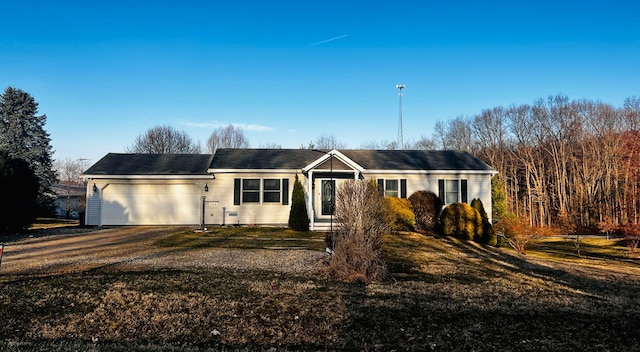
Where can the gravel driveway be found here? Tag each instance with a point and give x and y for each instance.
(131, 247)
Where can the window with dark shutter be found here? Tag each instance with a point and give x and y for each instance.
(236, 191)
(285, 191)
(441, 191)
(381, 187)
(391, 188)
(463, 191)
(251, 190)
(271, 190)
(403, 188)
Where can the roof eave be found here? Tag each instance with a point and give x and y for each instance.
(425, 172)
(139, 177)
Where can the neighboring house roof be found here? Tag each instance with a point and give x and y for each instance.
(151, 164)
(230, 159)
(62, 190)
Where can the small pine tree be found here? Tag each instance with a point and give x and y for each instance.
(298, 217)
(488, 234)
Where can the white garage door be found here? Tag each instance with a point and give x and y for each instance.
(168, 204)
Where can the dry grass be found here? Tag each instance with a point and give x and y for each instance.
(442, 295)
(245, 238)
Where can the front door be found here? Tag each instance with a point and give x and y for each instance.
(328, 194)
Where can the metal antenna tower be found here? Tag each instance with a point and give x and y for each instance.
(400, 87)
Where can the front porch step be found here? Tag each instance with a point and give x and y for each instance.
(323, 226)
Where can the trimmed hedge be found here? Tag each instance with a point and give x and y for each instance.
(426, 208)
(462, 221)
(401, 217)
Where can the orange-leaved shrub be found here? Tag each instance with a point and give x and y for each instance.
(519, 233)
(462, 221)
(631, 233)
(362, 221)
(401, 217)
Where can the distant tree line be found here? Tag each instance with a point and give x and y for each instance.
(566, 163)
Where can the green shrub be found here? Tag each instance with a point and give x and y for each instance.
(498, 199)
(426, 208)
(298, 217)
(401, 217)
(462, 221)
(488, 234)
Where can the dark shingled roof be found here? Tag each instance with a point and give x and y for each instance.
(151, 164)
(368, 159)
(287, 159)
(416, 160)
(253, 159)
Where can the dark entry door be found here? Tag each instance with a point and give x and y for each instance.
(328, 196)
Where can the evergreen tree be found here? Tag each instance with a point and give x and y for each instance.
(488, 234)
(22, 136)
(298, 217)
(498, 199)
(19, 190)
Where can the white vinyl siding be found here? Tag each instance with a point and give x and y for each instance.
(263, 212)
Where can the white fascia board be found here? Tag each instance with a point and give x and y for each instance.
(427, 172)
(143, 177)
(244, 171)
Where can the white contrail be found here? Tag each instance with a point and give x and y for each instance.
(216, 124)
(329, 40)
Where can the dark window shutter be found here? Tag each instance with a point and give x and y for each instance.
(403, 188)
(381, 187)
(441, 191)
(285, 191)
(236, 191)
(463, 191)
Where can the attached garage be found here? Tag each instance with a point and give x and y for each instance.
(151, 204)
(148, 189)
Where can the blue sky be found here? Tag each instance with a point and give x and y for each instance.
(287, 71)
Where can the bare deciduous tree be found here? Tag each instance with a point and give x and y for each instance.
(563, 162)
(227, 137)
(69, 176)
(326, 141)
(164, 140)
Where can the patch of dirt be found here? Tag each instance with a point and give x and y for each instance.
(60, 251)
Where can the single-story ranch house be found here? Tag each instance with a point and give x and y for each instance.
(254, 186)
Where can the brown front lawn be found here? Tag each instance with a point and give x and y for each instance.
(442, 295)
